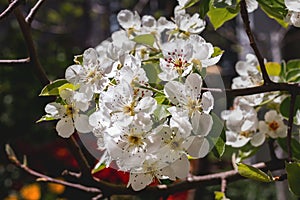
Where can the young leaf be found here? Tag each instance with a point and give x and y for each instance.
(285, 106)
(146, 39)
(295, 146)
(218, 16)
(45, 118)
(217, 136)
(98, 167)
(203, 8)
(275, 10)
(52, 88)
(293, 64)
(190, 3)
(152, 70)
(253, 173)
(293, 176)
(161, 112)
(273, 68)
(220, 196)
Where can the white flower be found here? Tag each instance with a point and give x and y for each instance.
(177, 59)
(134, 75)
(293, 18)
(92, 74)
(69, 114)
(202, 52)
(293, 5)
(125, 106)
(99, 121)
(241, 124)
(273, 127)
(188, 96)
(188, 24)
(130, 145)
(129, 20)
(252, 5)
(249, 77)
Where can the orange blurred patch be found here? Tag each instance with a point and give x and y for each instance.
(56, 188)
(31, 192)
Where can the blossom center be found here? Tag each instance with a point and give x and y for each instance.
(273, 126)
(193, 105)
(176, 59)
(129, 109)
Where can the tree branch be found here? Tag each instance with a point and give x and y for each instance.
(245, 17)
(12, 5)
(33, 11)
(26, 31)
(290, 125)
(15, 61)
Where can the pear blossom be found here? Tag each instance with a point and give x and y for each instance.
(188, 24)
(293, 16)
(272, 126)
(69, 115)
(252, 5)
(125, 106)
(129, 20)
(197, 106)
(92, 74)
(249, 76)
(241, 124)
(130, 145)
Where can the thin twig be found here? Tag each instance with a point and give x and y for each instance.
(272, 87)
(33, 11)
(290, 125)
(12, 5)
(43, 177)
(26, 31)
(245, 17)
(223, 185)
(15, 61)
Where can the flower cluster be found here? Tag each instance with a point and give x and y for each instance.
(242, 122)
(140, 94)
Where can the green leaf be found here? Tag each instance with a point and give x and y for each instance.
(253, 173)
(293, 75)
(295, 146)
(161, 112)
(217, 52)
(203, 8)
(293, 176)
(293, 64)
(220, 195)
(275, 10)
(273, 68)
(285, 106)
(46, 118)
(190, 3)
(218, 16)
(246, 153)
(146, 39)
(217, 136)
(152, 70)
(160, 98)
(98, 167)
(52, 88)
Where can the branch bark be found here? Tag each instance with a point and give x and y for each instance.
(15, 61)
(12, 5)
(26, 31)
(245, 17)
